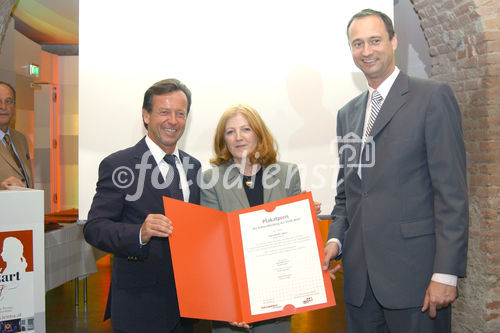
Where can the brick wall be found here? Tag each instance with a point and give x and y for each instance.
(464, 42)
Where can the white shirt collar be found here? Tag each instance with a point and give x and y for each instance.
(385, 86)
(157, 152)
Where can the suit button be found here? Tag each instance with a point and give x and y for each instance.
(365, 194)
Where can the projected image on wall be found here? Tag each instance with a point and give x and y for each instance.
(288, 59)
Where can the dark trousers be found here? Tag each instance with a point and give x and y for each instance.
(372, 317)
(184, 326)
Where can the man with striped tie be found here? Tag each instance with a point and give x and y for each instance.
(15, 164)
(400, 218)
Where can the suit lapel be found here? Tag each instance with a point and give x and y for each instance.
(269, 191)
(23, 155)
(236, 186)
(140, 148)
(5, 154)
(392, 104)
(357, 120)
(141, 151)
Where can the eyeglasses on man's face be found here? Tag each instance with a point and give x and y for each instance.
(8, 101)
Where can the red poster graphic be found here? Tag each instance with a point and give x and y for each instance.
(16, 281)
(17, 250)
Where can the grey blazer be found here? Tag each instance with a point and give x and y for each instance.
(408, 216)
(280, 180)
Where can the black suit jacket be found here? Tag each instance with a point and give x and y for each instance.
(407, 218)
(142, 295)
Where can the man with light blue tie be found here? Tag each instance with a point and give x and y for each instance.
(15, 164)
(400, 220)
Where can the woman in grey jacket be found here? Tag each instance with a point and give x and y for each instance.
(246, 173)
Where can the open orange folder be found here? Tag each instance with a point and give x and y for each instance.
(209, 262)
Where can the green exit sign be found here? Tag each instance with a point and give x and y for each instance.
(34, 70)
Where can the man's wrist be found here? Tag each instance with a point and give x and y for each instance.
(141, 244)
(335, 240)
(448, 279)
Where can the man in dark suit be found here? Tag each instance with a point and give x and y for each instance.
(400, 219)
(15, 164)
(127, 215)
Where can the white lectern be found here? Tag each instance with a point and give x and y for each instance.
(22, 260)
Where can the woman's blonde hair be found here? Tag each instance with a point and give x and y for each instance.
(266, 151)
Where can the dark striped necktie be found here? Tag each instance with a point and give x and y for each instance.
(173, 178)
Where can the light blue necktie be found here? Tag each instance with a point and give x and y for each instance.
(376, 104)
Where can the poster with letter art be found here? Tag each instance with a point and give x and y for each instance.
(16, 281)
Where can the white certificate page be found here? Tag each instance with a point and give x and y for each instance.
(281, 258)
